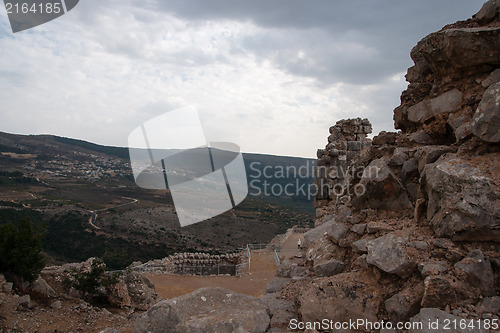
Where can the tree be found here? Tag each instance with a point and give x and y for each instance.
(21, 249)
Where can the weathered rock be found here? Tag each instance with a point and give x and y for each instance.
(329, 268)
(433, 268)
(41, 287)
(490, 304)
(461, 125)
(24, 302)
(448, 102)
(389, 254)
(382, 189)
(359, 228)
(133, 290)
(206, 310)
(337, 232)
(404, 304)
(409, 169)
(276, 284)
(343, 297)
(333, 230)
(56, 305)
(312, 235)
(385, 138)
(361, 245)
(479, 272)
(377, 226)
(441, 322)
(430, 154)
(463, 202)
(399, 157)
(438, 292)
(488, 12)
(280, 310)
(141, 290)
(493, 78)
(486, 121)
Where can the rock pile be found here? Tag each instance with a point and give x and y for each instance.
(192, 263)
(408, 224)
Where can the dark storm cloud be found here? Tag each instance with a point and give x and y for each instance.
(360, 42)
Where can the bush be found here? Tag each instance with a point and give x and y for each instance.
(88, 282)
(21, 250)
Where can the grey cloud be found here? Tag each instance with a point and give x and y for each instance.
(388, 27)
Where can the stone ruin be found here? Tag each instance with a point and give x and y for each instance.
(189, 263)
(335, 162)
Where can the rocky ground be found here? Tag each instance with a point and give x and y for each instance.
(407, 228)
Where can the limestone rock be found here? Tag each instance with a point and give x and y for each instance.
(24, 302)
(382, 189)
(41, 287)
(57, 305)
(430, 154)
(385, 138)
(280, 310)
(404, 304)
(494, 77)
(479, 272)
(438, 292)
(490, 304)
(389, 254)
(359, 228)
(206, 310)
(448, 102)
(486, 121)
(329, 268)
(332, 229)
(133, 290)
(433, 268)
(343, 297)
(463, 202)
(488, 12)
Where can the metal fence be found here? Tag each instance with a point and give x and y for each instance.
(206, 270)
(257, 246)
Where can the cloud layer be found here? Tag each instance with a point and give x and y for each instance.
(271, 76)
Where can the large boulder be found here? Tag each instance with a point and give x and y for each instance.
(438, 292)
(280, 310)
(406, 303)
(463, 202)
(333, 230)
(329, 268)
(343, 297)
(133, 290)
(41, 287)
(206, 310)
(379, 188)
(389, 254)
(479, 272)
(448, 102)
(486, 121)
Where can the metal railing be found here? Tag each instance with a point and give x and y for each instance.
(276, 258)
(206, 270)
(257, 246)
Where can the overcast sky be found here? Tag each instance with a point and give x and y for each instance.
(269, 75)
